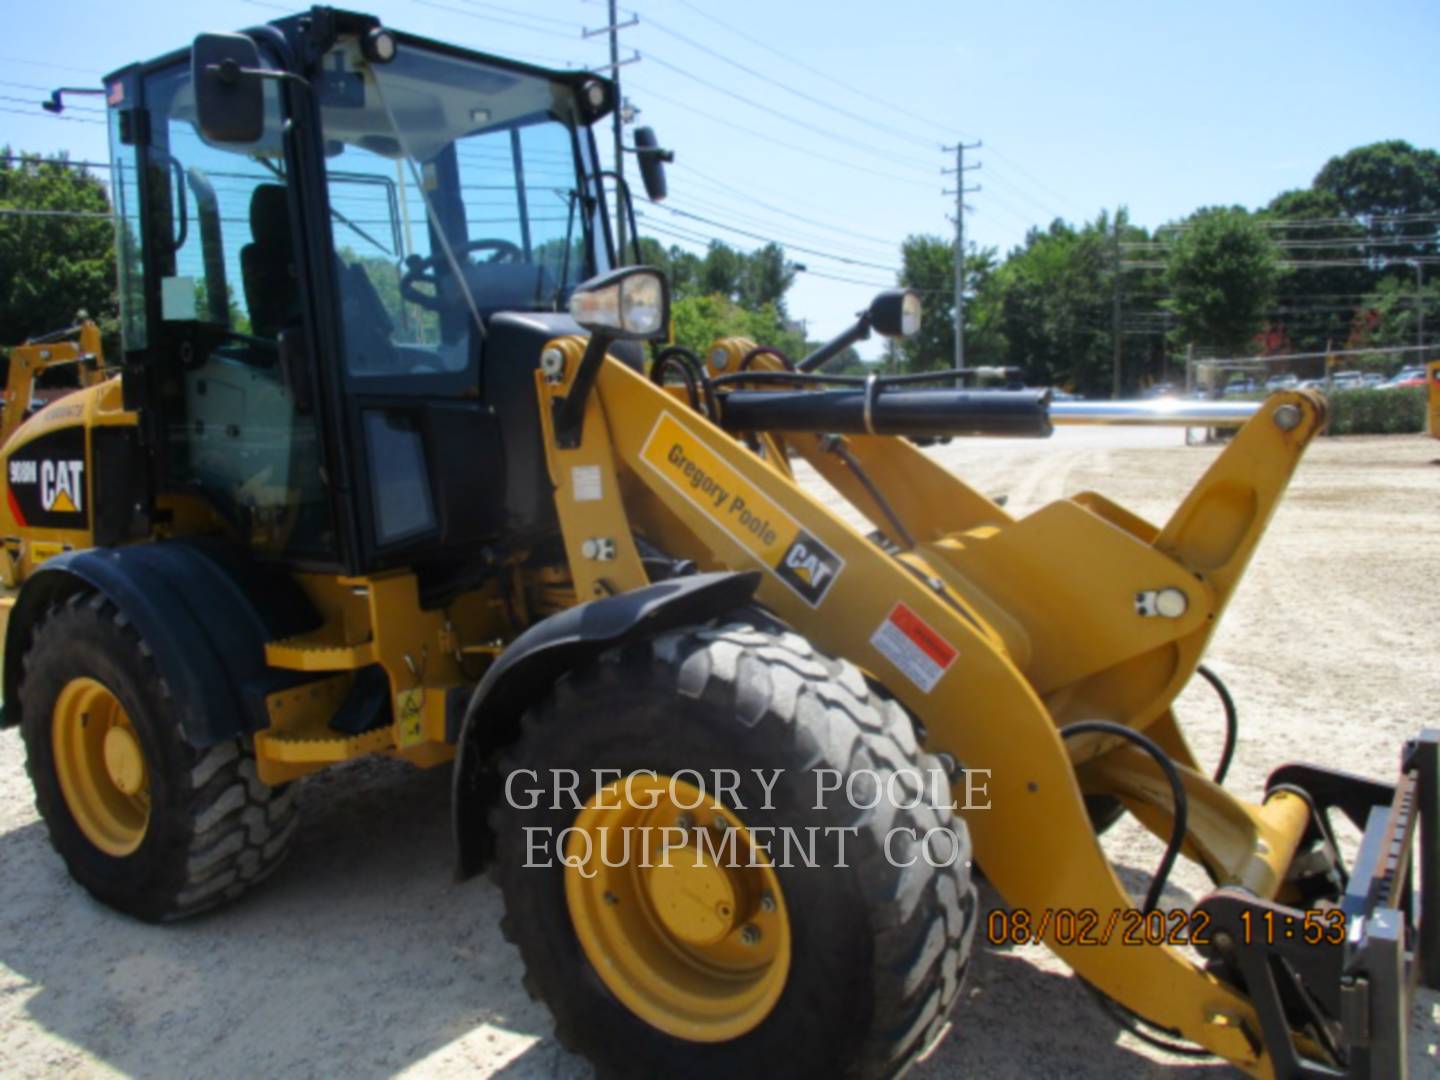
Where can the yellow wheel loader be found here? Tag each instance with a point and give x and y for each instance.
(388, 469)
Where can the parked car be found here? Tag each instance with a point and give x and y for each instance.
(1404, 379)
(1372, 379)
(1312, 384)
(1161, 390)
(1347, 380)
(1241, 386)
(1282, 382)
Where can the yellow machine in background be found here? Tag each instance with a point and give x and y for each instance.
(367, 486)
(1432, 382)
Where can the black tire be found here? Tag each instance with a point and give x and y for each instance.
(214, 829)
(878, 952)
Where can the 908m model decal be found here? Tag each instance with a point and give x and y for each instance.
(689, 465)
(45, 481)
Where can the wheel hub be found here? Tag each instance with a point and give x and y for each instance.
(100, 766)
(694, 898)
(677, 908)
(123, 760)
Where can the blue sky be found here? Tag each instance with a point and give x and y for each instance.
(1158, 106)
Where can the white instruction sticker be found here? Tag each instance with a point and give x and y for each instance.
(913, 646)
(177, 298)
(585, 483)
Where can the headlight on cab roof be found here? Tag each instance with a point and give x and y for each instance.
(632, 302)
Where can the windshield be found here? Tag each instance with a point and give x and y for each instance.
(457, 189)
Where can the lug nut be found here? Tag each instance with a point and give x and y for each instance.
(767, 901)
(611, 899)
(750, 935)
(685, 821)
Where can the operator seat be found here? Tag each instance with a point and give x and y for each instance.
(267, 264)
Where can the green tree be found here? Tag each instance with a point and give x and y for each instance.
(52, 266)
(1051, 305)
(1316, 300)
(1390, 314)
(699, 320)
(927, 264)
(1386, 179)
(766, 278)
(1221, 269)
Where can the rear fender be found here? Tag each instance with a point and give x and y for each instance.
(204, 611)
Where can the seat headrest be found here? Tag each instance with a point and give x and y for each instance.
(270, 214)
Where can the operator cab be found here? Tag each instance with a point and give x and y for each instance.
(342, 249)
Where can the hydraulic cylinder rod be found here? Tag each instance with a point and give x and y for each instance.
(1161, 412)
(863, 411)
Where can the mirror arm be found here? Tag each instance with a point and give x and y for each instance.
(622, 195)
(231, 73)
(569, 416)
(835, 346)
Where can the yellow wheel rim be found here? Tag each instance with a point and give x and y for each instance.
(101, 766)
(677, 909)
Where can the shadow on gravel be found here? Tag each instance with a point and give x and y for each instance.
(362, 957)
(361, 954)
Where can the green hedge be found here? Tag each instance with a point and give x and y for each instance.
(1377, 412)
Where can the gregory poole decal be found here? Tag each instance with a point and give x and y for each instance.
(45, 481)
(776, 539)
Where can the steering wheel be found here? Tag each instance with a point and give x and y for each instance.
(421, 270)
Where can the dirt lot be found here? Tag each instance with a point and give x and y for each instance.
(362, 956)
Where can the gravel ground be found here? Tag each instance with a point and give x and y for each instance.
(362, 956)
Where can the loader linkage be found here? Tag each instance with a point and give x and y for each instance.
(1352, 992)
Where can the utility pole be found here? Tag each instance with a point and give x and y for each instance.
(960, 192)
(1419, 307)
(1115, 361)
(613, 29)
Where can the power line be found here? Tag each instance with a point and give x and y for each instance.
(572, 23)
(885, 129)
(817, 72)
(842, 162)
(52, 116)
(812, 128)
(783, 234)
(766, 239)
(48, 64)
(706, 180)
(871, 99)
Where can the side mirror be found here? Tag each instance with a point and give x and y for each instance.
(229, 97)
(652, 163)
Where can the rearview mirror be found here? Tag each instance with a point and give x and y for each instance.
(652, 163)
(229, 98)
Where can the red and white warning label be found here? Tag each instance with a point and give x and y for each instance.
(913, 646)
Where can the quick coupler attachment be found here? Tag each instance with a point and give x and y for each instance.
(1333, 978)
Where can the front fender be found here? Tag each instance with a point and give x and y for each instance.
(545, 652)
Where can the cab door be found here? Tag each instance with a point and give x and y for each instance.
(211, 279)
